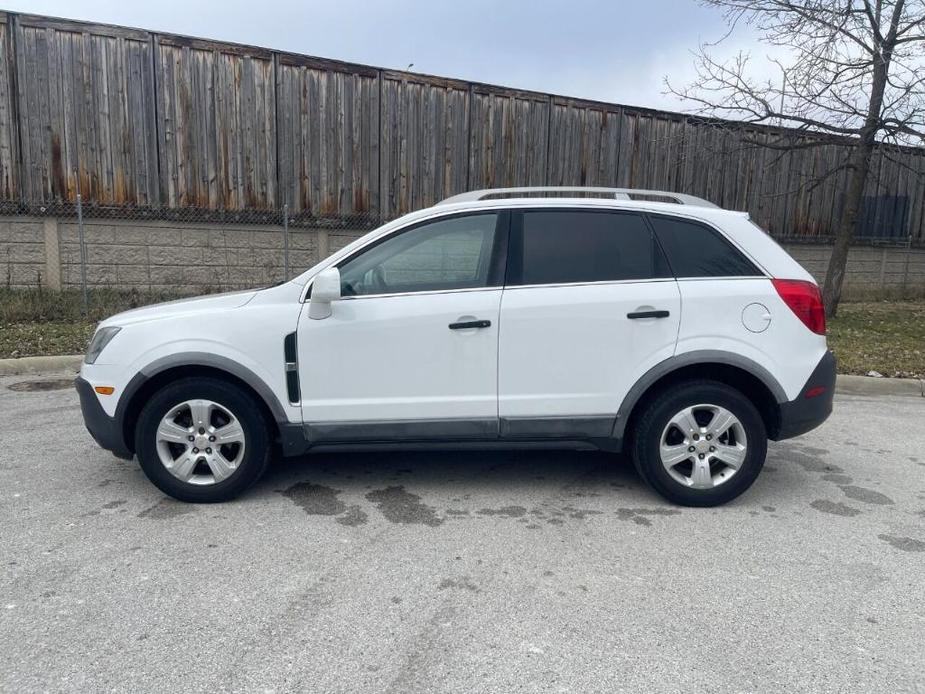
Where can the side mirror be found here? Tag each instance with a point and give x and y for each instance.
(325, 289)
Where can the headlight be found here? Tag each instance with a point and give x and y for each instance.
(100, 339)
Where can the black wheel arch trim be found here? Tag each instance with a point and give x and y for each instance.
(679, 361)
(214, 361)
(290, 435)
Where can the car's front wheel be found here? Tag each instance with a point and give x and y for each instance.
(699, 443)
(202, 440)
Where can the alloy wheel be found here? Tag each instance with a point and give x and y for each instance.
(703, 446)
(200, 442)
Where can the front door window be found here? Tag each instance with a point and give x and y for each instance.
(448, 254)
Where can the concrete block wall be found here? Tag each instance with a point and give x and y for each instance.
(156, 254)
(22, 252)
(873, 272)
(166, 255)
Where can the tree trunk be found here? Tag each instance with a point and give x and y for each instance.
(847, 227)
(859, 165)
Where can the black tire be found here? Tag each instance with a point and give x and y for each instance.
(655, 417)
(256, 454)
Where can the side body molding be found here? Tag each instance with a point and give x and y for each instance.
(705, 356)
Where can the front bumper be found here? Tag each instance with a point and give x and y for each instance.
(814, 403)
(105, 430)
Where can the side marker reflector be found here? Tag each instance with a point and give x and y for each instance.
(813, 392)
(104, 390)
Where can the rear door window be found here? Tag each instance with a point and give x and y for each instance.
(580, 246)
(696, 250)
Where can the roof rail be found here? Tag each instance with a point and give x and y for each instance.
(579, 191)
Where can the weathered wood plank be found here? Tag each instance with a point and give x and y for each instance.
(10, 158)
(509, 135)
(330, 123)
(218, 124)
(423, 134)
(85, 103)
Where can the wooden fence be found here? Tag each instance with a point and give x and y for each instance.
(137, 120)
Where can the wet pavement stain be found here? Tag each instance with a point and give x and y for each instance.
(461, 583)
(456, 512)
(906, 544)
(811, 464)
(812, 450)
(837, 478)
(400, 506)
(835, 507)
(40, 386)
(868, 496)
(315, 499)
(353, 517)
(167, 508)
(638, 515)
(769, 509)
(580, 513)
(504, 512)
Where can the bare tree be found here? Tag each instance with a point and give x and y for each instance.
(850, 68)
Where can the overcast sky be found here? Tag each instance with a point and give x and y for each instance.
(612, 50)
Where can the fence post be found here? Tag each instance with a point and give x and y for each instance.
(286, 241)
(52, 253)
(83, 255)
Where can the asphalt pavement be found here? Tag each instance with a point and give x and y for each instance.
(463, 572)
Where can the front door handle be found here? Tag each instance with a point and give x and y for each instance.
(648, 314)
(466, 325)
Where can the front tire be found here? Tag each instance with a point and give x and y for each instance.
(202, 440)
(699, 443)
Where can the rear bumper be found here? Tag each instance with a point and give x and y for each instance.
(105, 430)
(814, 403)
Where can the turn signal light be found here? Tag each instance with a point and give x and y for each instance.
(104, 390)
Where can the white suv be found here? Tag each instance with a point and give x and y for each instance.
(643, 321)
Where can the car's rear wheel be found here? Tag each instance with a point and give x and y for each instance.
(699, 443)
(202, 440)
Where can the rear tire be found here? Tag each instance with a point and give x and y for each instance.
(699, 443)
(202, 440)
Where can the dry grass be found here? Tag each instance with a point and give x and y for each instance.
(884, 336)
(37, 323)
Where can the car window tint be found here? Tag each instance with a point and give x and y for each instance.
(448, 254)
(564, 246)
(696, 250)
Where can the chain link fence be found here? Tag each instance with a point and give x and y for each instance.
(76, 245)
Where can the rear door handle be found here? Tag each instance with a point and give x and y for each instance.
(648, 314)
(465, 325)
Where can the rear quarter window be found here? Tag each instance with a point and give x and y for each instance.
(696, 250)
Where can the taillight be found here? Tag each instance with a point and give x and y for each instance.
(805, 300)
